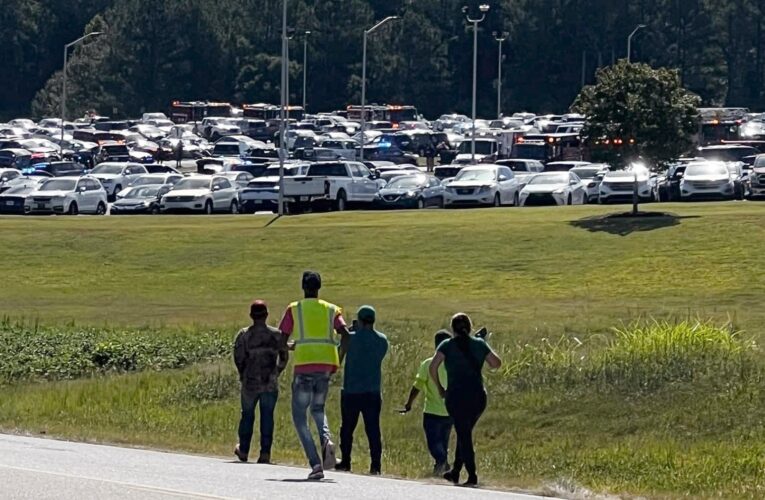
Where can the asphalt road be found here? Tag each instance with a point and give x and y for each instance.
(40, 469)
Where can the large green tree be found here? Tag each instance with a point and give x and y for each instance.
(634, 102)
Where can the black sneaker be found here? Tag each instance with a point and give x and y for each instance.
(264, 458)
(343, 466)
(452, 476)
(375, 471)
(472, 482)
(241, 456)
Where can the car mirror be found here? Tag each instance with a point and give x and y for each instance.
(216, 188)
(502, 178)
(82, 189)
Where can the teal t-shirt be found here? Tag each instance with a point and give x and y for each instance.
(462, 372)
(363, 362)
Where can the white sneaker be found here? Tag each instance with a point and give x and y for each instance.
(328, 451)
(317, 474)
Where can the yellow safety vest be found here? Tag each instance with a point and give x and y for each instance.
(315, 328)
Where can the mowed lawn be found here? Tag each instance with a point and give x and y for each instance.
(524, 272)
(528, 274)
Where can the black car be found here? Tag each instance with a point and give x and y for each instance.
(140, 200)
(669, 183)
(411, 191)
(442, 172)
(158, 168)
(12, 200)
(61, 168)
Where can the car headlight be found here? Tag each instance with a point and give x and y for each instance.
(559, 191)
(411, 194)
(484, 189)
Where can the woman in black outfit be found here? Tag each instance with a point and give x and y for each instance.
(464, 357)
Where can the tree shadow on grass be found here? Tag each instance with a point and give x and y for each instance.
(624, 224)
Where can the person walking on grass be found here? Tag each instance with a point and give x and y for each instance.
(260, 355)
(464, 357)
(436, 421)
(314, 323)
(361, 394)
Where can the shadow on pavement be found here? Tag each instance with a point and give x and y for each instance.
(624, 224)
(328, 481)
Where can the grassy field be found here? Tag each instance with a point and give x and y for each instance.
(558, 416)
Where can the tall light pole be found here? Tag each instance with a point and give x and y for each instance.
(305, 67)
(282, 114)
(629, 41)
(500, 38)
(364, 78)
(63, 90)
(484, 8)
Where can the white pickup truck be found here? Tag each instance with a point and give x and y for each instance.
(334, 183)
(262, 193)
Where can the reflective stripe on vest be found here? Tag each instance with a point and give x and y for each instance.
(315, 343)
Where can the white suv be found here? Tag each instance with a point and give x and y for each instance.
(67, 195)
(707, 180)
(202, 193)
(115, 176)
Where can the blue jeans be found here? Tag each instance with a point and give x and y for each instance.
(438, 429)
(309, 391)
(267, 402)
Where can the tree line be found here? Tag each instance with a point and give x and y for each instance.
(155, 52)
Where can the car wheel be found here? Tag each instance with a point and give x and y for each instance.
(234, 207)
(340, 204)
(101, 208)
(208, 207)
(73, 209)
(570, 200)
(516, 199)
(497, 200)
(420, 203)
(155, 210)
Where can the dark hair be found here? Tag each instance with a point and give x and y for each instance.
(461, 325)
(442, 335)
(311, 281)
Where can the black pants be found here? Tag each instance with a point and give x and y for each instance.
(368, 405)
(465, 408)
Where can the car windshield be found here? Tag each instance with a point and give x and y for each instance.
(481, 147)
(476, 175)
(59, 185)
(550, 179)
(143, 192)
(727, 154)
(706, 169)
(586, 173)
(107, 169)
(145, 181)
(192, 184)
(406, 182)
(116, 149)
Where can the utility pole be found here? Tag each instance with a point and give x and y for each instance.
(283, 114)
(63, 89)
(500, 38)
(483, 8)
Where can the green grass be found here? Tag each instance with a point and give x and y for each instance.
(664, 407)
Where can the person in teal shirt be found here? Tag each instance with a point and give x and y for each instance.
(436, 421)
(362, 395)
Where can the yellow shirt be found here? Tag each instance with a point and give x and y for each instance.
(434, 404)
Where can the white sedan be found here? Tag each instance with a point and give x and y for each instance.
(554, 188)
(483, 185)
(117, 175)
(202, 193)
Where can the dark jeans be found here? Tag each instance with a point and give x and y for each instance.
(368, 405)
(465, 408)
(437, 432)
(267, 402)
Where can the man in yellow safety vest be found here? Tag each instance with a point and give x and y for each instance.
(312, 324)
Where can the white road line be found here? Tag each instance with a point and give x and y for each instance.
(140, 487)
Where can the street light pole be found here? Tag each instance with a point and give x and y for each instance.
(500, 38)
(629, 41)
(364, 78)
(63, 90)
(282, 114)
(305, 67)
(484, 9)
